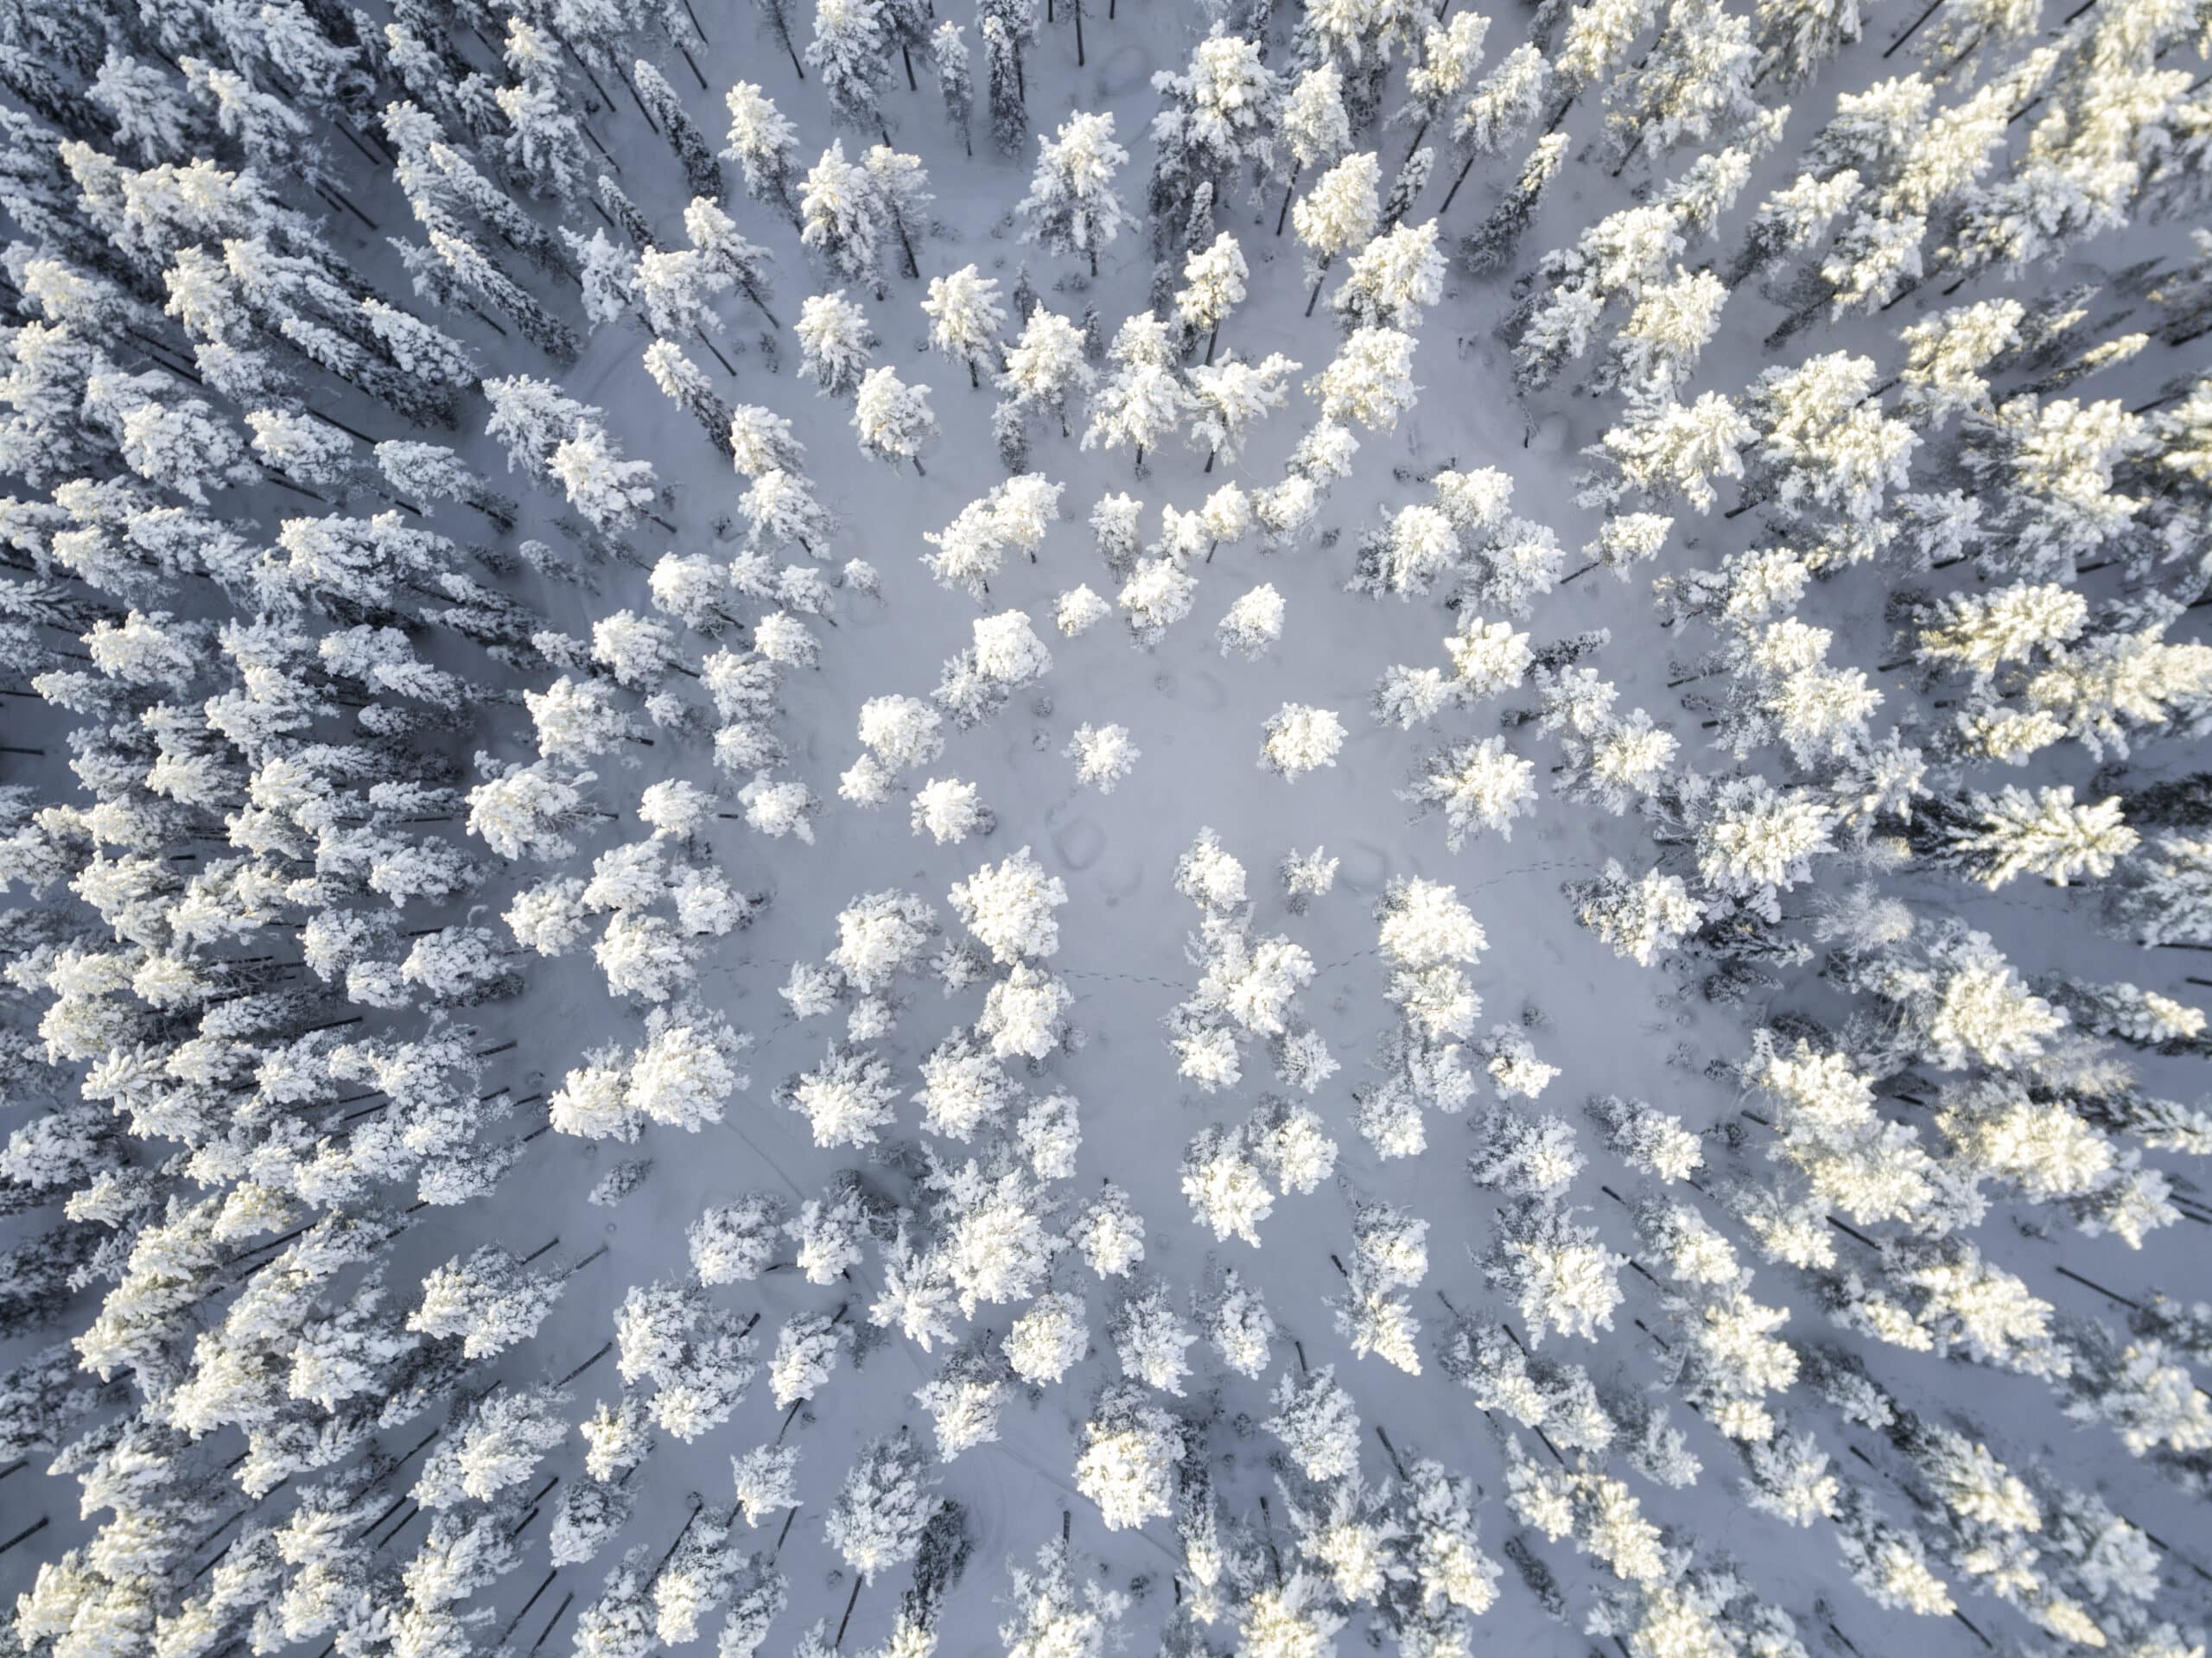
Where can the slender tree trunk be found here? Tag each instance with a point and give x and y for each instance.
(605, 99)
(751, 294)
(1796, 321)
(1289, 189)
(1464, 168)
(345, 130)
(347, 202)
(1212, 338)
(2090, 1283)
(729, 367)
(567, 1600)
(850, 1602)
(203, 1542)
(1852, 1232)
(386, 1541)
(31, 1530)
(630, 86)
(282, 482)
(1973, 1630)
(537, 1502)
(1913, 29)
(1078, 33)
(696, 1509)
(505, 1633)
(601, 148)
(586, 1365)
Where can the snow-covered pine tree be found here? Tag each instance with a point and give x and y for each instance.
(1072, 206)
(1217, 116)
(842, 215)
(764, 143)
(965, 317)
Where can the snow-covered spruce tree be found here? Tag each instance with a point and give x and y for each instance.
(1003, 32)
(849, 57)
(1363, 41)
(701, 170)
(955, 80)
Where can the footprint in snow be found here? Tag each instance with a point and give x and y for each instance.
(1123, 878)
(1365, 866)
(1079, 843)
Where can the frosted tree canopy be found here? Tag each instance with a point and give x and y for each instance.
(1229, 831)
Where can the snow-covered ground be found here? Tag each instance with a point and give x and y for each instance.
(1128, 943)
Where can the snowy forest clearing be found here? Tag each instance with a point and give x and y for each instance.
(636, 631)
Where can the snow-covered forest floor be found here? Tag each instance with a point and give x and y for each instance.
(1773, 1232)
